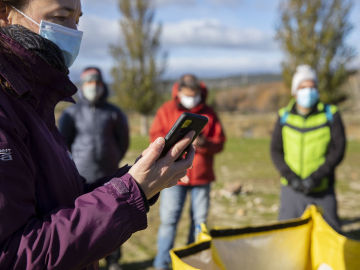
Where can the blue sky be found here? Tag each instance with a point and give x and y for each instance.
(210, 38)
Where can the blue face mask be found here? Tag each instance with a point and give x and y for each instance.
(307, 97)
(67, 39)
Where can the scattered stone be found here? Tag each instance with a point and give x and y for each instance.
(248, 189)
(225, 193)
(241, 212)
(274, 208)
(258, 201)
(235, 188)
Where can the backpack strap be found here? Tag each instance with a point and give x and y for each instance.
(284, 117)
(329, 114)
(285, 112)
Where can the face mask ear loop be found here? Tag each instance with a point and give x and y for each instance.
(26, 16)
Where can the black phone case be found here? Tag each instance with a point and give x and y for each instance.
(184, 124)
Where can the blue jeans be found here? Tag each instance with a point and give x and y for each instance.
(171, 204)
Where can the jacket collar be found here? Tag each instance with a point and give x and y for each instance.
(27, 73)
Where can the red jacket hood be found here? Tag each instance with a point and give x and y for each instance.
(203, 89)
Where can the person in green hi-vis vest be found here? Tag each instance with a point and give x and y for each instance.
(308, 142)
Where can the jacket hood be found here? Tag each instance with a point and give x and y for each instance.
(204, 94)
(27, 72)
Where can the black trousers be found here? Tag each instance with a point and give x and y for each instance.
(293, 204)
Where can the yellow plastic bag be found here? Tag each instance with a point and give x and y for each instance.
(330, 250)
(304, 243)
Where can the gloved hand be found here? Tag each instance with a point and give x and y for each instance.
(308, 184)
(296, 184)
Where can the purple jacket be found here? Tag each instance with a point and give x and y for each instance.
(47, 221)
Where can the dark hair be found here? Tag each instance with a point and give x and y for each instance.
(101, 79)
(189, 81)
(15, 3)
(94, 68)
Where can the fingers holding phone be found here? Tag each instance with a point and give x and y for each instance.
(154, 174)
(178, 149)
(161, 164)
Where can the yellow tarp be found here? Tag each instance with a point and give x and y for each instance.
(307, 243)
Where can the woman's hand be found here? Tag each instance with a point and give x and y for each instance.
(153, 174)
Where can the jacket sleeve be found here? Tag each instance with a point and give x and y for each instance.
(122, 132)
(214, 137)
(336, 150)
(67, 128)
(277, 153)
(88, 187)
(71, 237)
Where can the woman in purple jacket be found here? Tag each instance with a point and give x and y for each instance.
(49, 219)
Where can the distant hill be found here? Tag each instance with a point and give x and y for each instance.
(258, 97)
(241, 80)
(267, 93)
(258, 93)
(231, 81)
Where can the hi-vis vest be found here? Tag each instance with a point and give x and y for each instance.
(306, 140)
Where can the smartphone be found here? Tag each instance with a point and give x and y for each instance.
(183, 125)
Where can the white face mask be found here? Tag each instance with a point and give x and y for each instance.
(67, 39)
(92, 92)
(190, 102)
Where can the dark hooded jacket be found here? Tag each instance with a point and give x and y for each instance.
(97, 135)
(202, 171)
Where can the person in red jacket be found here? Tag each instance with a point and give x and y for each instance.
(189, 95)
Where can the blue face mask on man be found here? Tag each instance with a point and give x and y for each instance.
(67, 39)
(307, 97)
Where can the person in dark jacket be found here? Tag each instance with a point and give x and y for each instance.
(189, 95)
(308, 142)
(49, 217)
(96, 133)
